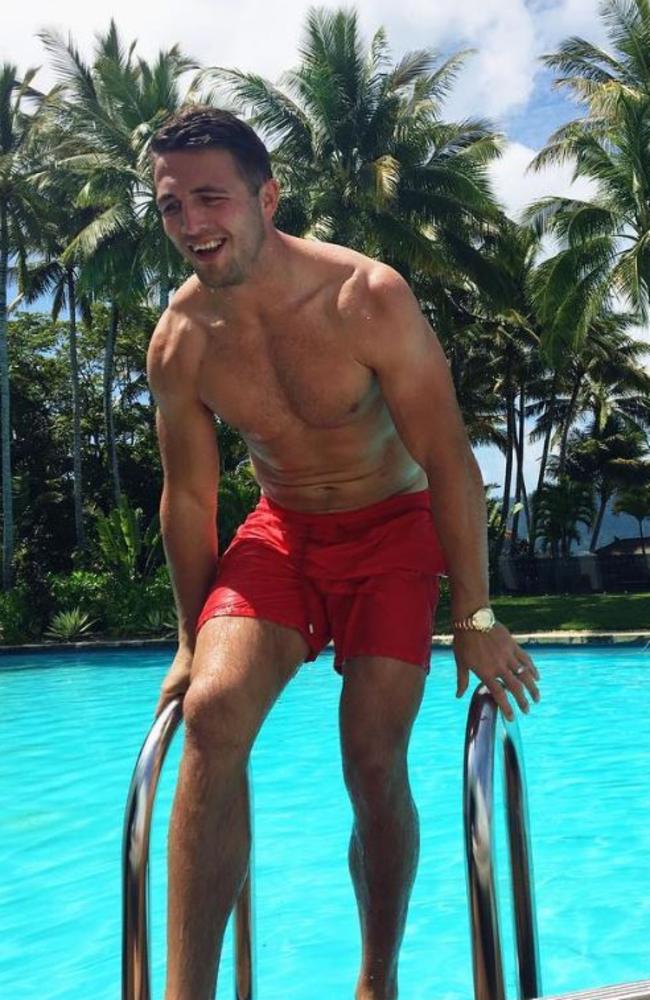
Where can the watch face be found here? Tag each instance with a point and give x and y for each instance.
(483, 618)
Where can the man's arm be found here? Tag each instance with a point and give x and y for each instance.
(188, 506)
(400, 346)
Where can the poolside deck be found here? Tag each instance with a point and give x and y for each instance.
(556, 638)
(624, 991)
(567, 638)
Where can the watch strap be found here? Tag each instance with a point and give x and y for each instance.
(469, 624)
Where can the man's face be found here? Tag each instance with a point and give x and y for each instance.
(210, 213)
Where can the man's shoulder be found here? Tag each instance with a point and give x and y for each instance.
(176, 344)
(183, 312)
(373, 291)
(353, 272)
(378, 311)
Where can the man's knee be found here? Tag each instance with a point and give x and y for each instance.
(379, 703)
(216, 719)
(375, 770)
(240, 667)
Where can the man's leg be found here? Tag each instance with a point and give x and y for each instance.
(240, 667)
(379, 703)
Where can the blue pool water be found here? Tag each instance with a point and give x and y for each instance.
(73, 724)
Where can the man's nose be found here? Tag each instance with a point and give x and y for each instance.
(192, 220)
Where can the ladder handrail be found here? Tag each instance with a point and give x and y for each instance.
(478, 798)
(136, 979)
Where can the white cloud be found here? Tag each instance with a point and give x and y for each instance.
(516, 186)
(570, 17)
(508, 34)
(216, 32)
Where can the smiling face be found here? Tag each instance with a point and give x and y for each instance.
(211, 215)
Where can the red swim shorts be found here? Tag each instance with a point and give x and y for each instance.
(367, 578)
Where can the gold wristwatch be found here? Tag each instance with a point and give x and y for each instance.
(481, 621)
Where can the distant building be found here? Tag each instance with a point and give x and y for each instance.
(623, 547)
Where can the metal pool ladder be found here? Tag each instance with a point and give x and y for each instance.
(483, 722)
(478, 798)
(136, 983)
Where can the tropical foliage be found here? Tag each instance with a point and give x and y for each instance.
(69, 625)
(540, 347)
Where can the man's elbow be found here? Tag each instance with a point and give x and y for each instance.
(474, 468)
(456, 463)
(185, 502)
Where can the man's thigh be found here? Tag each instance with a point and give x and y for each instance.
(240, 666)
(380, 700)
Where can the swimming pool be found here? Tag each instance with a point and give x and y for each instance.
(70, 735)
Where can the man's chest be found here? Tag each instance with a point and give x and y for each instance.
(264, 384)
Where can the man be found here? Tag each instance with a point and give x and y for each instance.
(323, 361)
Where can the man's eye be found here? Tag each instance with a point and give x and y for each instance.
(168, 209)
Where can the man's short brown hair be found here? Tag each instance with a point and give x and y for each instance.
(201, 126)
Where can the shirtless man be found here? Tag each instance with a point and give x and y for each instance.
(322, 360)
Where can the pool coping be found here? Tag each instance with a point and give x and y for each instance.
(634, 637)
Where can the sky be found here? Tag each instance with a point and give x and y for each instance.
(503, 79)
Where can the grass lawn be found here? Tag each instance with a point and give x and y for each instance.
(601, 612)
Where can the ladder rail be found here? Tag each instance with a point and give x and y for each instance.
(483, 721)
(136, 977)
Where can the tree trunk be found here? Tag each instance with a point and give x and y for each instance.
(505, 503)
(163, 288)
(525, 501)
(5, 411)
(111, 449)
(565, 544)
(567, 424)
(604, 497)
(542, 466)
(521, 489)
(640, 520)
(77, 485)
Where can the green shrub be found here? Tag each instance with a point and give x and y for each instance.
(157, 623)
(119, 606)
(17, 623)
(83, 589)
(131, 604)
(125, 548)
(69, 625)
(159, 590)
(238, 495)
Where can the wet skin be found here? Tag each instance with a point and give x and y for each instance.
(276, 353)
(322, 360)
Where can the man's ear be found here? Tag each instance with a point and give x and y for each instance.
(269, 197)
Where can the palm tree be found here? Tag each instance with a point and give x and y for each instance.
(635, 501)
(609, 455)
(604, 250)
(516, 359)
(52, 276)
(599, 77)
(359, 146)
(501, 338)
(21, 227)
(560, 508)
(104, 118)
(609, 368)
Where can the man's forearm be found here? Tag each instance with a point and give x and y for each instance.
(460, 517)
(189, 535)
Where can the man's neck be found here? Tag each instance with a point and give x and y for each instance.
(271, 283)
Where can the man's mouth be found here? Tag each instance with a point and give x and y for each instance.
(207, 249)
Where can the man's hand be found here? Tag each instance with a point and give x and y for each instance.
(499, 663)
(177, 679)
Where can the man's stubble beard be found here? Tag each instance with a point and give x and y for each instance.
(238, 271)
